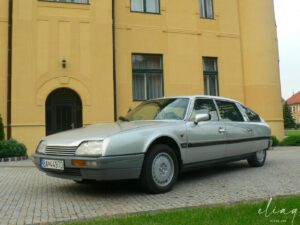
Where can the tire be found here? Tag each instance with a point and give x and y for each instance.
(160, 169)
(258, 159)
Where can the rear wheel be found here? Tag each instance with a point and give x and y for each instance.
(258, 159)
(160, 169)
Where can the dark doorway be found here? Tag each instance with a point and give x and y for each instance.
(63, 111)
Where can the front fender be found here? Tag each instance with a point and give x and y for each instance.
(155, 137)
(138, 141)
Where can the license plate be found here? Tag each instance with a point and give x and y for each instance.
(52, 164)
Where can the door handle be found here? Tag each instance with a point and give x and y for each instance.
(222, 130)
(249, 130)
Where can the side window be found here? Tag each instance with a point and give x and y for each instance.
(205, 106)
(229, 111)
(253, 117)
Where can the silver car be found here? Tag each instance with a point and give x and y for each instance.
(156, 141)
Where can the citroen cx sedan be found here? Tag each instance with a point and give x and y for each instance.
(156, 141)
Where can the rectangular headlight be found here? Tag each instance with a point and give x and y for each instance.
(90, 148)
(41, 148)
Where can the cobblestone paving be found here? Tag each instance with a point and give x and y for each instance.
(28, 196)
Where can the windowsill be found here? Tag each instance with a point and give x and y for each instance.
(204, 18)
(71, 5)
(151, 13)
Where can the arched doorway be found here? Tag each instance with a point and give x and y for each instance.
(63, 111)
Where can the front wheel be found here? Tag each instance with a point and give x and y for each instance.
(160, 169)
(258, 159)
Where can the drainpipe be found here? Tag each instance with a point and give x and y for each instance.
(114, 59)
(9, 67)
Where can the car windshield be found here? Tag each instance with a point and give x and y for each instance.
(161, 109)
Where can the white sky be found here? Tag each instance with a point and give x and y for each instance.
(288, 28)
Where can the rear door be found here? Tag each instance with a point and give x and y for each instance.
(261, 132)
(205, 139)
(239, 131)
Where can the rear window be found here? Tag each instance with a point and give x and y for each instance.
(252, 116)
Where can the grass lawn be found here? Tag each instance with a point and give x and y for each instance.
(292, 132)
(237, 214)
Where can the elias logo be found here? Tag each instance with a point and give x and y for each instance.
(268, 212)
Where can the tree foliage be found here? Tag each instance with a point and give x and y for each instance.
(289, 121)
(2, 134)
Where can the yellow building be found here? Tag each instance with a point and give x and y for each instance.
(77, 62)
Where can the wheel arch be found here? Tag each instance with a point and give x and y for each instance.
(167, 141)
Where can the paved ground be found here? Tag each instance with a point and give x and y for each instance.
(27, 196)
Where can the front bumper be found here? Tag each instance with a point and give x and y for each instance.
(103, 168)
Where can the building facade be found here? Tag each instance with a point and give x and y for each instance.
(294, 104)
(68, 63)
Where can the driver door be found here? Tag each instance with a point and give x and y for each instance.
(206, 140)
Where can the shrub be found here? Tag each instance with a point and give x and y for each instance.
(291, 141)
(12, 148)
(275, 141)
(2, 134)
(2, 149)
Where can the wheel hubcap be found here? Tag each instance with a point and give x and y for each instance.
(260, 155)
(163, 169)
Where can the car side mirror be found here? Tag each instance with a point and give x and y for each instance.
(202, 117)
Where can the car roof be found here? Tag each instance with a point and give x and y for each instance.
(200, 96)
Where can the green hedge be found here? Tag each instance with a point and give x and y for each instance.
(12, 148)
(275, 141)
(291, 141)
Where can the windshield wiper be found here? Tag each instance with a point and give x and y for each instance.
(122, 118)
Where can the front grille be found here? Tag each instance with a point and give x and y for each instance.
(67, 171)
(60, 150)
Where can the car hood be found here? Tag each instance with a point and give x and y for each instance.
(98, 132)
